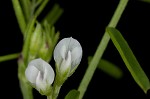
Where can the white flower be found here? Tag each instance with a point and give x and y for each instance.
(40, 74)
(68, 54)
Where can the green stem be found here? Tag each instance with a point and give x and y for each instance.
(100, 50)
(9, 57)
(57, 86)
(19, 15)
(56, 91)
(27, 38)
(54, 14)
(26, 8)
(40, 9)
(26, 89)
(49, 97)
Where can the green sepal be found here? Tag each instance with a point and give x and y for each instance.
(49, 41)
(36, 41)
(61, 77)
(46, 92)
(72, 71)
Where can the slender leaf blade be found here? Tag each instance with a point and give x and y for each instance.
(73, 94)
(108, 67)
(129, 59)
(147, 1)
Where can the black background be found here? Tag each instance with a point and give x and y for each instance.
(86, 22)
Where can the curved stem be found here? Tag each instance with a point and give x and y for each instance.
(100, 50)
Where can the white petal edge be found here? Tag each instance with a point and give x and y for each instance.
(76, 56)
(31, 73)
(49, 74)
(59, 49)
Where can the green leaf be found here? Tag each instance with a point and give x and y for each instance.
(129, 59)
(26, 6)
(73, 94)
(109, 68)
(147, 1)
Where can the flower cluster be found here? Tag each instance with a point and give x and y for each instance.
(67, 55)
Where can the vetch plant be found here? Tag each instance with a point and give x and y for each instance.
(67, 54)
(40, 45)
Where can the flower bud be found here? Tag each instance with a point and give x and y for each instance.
(67, 55)
(49, 39)
(40, 75)
(36, 41)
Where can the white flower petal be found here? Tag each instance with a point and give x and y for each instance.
(38, 63)
(49, 74)
(63, 51)
(40, 74)
(31, 73)
(76, 56)
(66, 62)
(40, 84)
(73, 43)
(60, 50)
(65, 46)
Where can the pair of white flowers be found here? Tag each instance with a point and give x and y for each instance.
(67, 55)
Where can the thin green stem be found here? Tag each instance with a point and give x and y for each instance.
(56, 91)
(57, 86)
(26, 8)
(53, 15)
(100, 50)
(27, 38)
(49, 97)
(9, 57)
(26, 89)
(19, 15)
(38, 3)
(40, 9)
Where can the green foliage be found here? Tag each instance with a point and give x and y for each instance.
(40, 40)
(73, 94)
(109, 68)
(54, 14)
(147, 1)
(129, 59)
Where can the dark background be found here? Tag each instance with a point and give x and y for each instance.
(86, 22)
